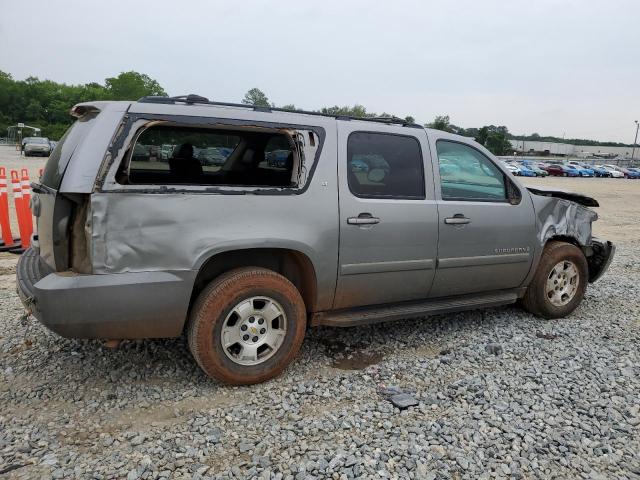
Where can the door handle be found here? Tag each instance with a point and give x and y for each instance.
(457, 219)
(363, 219)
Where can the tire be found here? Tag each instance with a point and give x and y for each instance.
(260, 292)
(554, 304)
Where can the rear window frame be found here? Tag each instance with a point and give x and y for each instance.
(390, 197)
(129, 132)
(129, 154)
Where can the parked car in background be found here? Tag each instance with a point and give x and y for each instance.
(569, 171)
(277, 158)
(616, 172)
(554, 170)
(580, 172)
(535, 169)
(635, 170)
(525, 171)
(513, 168)
(584, 169)
(628, 172)
(33, 146)
(600, 171)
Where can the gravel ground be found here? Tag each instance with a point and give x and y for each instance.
(501, 394)
(560, 398)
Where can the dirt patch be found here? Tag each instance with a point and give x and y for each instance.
(350, 356)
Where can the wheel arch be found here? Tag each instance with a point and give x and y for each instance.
(293, 264)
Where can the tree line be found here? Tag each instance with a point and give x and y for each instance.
(495, 139)
(45, 104)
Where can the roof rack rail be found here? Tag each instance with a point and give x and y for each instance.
(192, 99)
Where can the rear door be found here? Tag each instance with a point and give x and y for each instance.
(487, 224)
(388, 215)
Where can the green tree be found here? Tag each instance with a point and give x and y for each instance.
(357, 111)
(132, 86)
(495, 139)
(45, 104)
(441, 122)
(256, 97)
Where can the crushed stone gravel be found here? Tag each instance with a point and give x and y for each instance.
(501, 394)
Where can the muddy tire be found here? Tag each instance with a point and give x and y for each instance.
(246, 326)
(559, 283)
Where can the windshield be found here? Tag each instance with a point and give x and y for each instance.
(59, 158)
(38, 140)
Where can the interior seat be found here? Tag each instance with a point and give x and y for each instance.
(184, 167)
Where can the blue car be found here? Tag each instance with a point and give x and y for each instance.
(635, 170)
(600, 172)
(632, 172)
(525, 171)
(570, 171)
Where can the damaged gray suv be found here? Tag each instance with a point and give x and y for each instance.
(241, 226)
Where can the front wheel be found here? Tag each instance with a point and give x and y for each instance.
(247, 326)
(559, 283)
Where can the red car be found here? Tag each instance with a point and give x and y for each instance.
(555, 170)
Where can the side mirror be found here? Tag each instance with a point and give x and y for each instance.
(376, 175)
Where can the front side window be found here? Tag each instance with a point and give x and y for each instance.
(168, 155)
(381, 165)
(467, 174)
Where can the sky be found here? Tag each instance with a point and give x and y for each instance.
(555, 67)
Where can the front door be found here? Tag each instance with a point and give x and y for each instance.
(388, 215)
(487, 236)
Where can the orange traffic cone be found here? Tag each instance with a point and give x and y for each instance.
(26, 203)
(5, 222)
(18, 200)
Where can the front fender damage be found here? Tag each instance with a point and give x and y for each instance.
(561, 218)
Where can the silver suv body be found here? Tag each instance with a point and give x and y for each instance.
(172, 213)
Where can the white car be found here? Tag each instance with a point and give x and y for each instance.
(514, 169)
(613, 170)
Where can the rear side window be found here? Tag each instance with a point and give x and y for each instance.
(59, 158)
(167, 155)
(382, 165)
(467, 174)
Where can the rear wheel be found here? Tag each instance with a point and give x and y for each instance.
(247, 326)
(559, 283)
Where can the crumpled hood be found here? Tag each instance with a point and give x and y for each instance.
(566, 195)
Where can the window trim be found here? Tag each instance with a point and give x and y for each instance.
(508, 184)
(129, 130)
(389, 197)
(128, 156)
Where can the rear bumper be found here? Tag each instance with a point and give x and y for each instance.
(118, 306)
(603, 253)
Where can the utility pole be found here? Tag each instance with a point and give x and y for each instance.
(635, 141)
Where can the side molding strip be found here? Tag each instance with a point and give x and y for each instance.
(483, 260)
(381, 267)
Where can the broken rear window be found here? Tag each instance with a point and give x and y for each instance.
(174, 155)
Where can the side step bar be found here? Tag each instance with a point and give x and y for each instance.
(405, 310)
